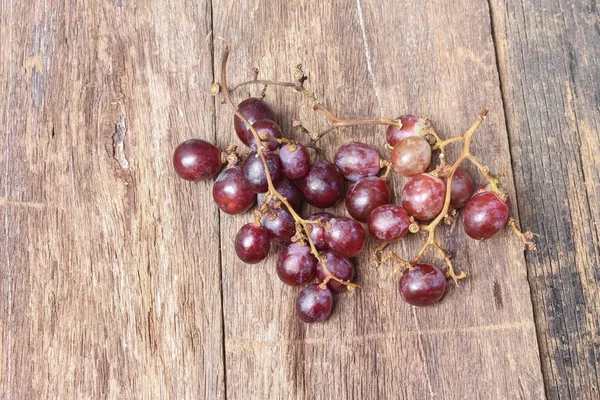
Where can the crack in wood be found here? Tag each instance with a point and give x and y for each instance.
(119, 142)
(363, 31)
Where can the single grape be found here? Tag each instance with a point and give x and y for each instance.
(323, 186)
(295, 160)
(253, 109)
(196, 160)
(296, 265)
(365, 195)
(411, 156)
(280, 224)
(424, 285)
(230, 193)
(462, 189)
(484, 215)
(411, 126)
(287, 189)
(345, 237)
(357, 160)
(423, 196)
(340, 267)
(388, 223)
(486, 187)
(317, 232)
(252, 243)
(253, 171)
(314, 304)
(266, 129)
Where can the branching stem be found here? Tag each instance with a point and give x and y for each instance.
(449, 174)
(336, 122)
(430, 228)
(271, 188)
(298, 86)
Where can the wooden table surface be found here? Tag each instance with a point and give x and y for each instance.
(119, 280)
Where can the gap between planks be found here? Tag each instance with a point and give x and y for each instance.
(210, 38)
(499, 61)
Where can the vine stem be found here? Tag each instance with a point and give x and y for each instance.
(430, 228)
(271, 188)
(294, 85)
(526, 237)
(441, 144)
(298, 86)
(448, 172)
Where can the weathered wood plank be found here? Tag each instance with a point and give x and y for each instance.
(367, 58)
(110, 277)
(549, 58)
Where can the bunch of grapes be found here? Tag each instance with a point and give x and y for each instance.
(317, 251)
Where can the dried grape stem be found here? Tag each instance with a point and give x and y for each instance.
(430, 228)
(493, 180)
(441, 144)
(272, 191)
(294, 85)
(336, 122)
(524, 236)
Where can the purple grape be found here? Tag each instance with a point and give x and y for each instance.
(295, 160)
(296, 265)
(253, 171)
(253, 109)
(365, 195)
(323, 187)
(357, 160)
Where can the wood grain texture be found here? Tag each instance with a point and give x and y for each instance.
(110, 266)
(367, 58)
(549, 53)
(110, 276)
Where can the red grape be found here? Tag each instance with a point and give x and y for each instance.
(253, 109)
(253, 171)
(296, 265)
(317, 232)
(196, 160)
(268, 128)
(388, 223)
(411, 126)
(423, 196)
(230, 193)
(252, 243)
(314, 304)
(484, 215)
(365, 195)
(424, 285)
(280, 224)
(295, 160)
(462, 189)
(357, 160)
(323, 187)
(345, 237)
(486, 187)
(411, 156)
(340, 267)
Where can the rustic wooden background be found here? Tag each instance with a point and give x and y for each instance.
(118, 279)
